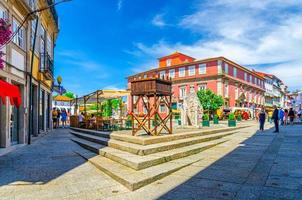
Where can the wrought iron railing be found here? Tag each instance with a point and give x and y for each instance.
(46, 65)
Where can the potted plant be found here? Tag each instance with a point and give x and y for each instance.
(155, 121)
(232, 120)
(239, 118)
(205, 120)
(129, 121)
(216, 119)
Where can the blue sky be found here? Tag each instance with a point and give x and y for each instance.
(102, 42)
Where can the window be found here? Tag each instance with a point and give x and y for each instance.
(32, 33)
(235, 72)
(49, 46)
(191, 70)
(182, 92)
(168, 62)
(255, 79)
(42, 52)
(172, 73)
(182, 72)
(162, 74)
(202, 86)
(42, 40)
(251, 78)
(162, 108)
(42, 31)
(3, 13)
(226, 68)
(236, 91)
(226, 91)
(32, 4)
(245, 76)
(19, 37)
(219, 67)
(202, 69)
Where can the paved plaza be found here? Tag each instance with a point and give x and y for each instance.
(251, 165)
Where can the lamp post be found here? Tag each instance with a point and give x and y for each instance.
(30, 109)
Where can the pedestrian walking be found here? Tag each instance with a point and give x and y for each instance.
(58, 118)
(54, 118)
(300, 114)
(262, 116)
(291, 115)
(285, 120)
(281, 116)
(64, 118)
(276, 119)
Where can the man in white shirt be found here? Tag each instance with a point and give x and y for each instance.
(81, 119)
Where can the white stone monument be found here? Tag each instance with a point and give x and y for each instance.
(191, 112)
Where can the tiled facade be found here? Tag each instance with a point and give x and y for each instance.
(15, 121)
(239, 86)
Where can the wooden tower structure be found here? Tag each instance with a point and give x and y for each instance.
(152, 92)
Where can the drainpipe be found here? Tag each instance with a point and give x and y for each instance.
(30, 107)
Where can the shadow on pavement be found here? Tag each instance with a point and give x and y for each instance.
(44, 160)
(244, 173)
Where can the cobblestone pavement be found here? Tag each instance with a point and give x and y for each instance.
(251, 165)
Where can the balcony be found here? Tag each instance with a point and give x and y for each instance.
(46, 66)
(53, 11)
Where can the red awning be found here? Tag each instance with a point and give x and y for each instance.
(11, 91)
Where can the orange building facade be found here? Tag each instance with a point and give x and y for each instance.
(239, 86)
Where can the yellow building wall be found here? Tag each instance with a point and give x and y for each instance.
(35, 71)
(37, 74)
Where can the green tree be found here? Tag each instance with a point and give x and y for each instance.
(107, 108)
(209, 100)
(116, 103)
(69, 94)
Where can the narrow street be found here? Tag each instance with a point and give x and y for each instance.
(249, 166)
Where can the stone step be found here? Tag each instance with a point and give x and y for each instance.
(138, 162)
(152, 148)
(133, 179)
(125, 146)
(126, 136)
(104, 134)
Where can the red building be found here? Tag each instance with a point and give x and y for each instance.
(239, 86)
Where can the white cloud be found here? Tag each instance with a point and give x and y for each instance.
(158, 20)
(151, 64)
(119, 5)
(113, 87)
(77, 58)
(250, 32)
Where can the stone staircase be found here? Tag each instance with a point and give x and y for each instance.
(136, 161)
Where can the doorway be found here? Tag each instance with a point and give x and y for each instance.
(42, 110)
(14, 125)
